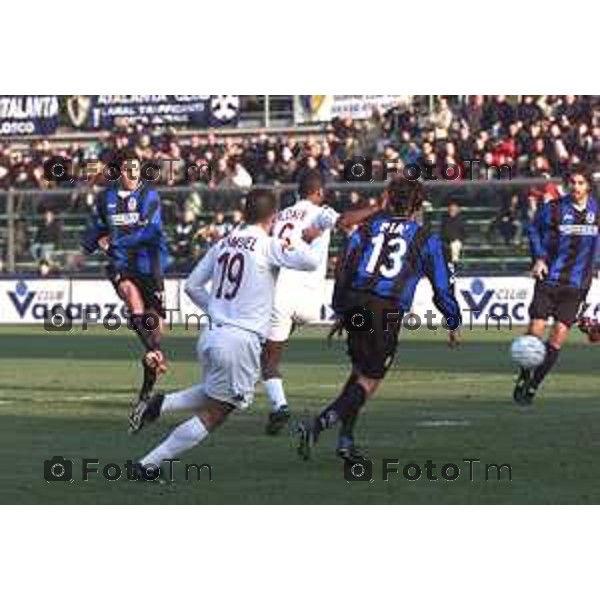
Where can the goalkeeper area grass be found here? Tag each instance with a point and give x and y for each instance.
(68, 394)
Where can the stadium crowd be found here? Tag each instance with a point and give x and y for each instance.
(536, 136)
(539, 135)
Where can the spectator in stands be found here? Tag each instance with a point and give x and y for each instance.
(48, 237)
(240, 177)
(507, 223)
(453, 231)
(473, 112)
(528, 112)
(183, 247)
(498, 115)
(441, 118)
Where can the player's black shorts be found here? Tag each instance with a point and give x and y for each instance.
(151, 288)
(559, 301)
(373, 352)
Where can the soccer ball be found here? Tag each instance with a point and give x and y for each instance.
(528, 351)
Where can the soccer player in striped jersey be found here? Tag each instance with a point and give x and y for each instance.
(382, 265)
(127, 228)
(563, 239)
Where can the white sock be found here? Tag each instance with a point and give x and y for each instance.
(185, 400)
(184, 437)
(274, 389)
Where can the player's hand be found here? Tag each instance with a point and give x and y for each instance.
(454, 339)
(104, 243)
(311, 233)
(540, 269)
(337, 329)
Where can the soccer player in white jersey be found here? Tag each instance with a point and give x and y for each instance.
(300, 296)
(243, 268)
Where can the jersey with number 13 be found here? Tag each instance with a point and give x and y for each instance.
(388, 256)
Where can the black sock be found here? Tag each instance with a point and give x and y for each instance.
(543, 370)
(143, 325)
(150, 377)
(350, 401)
(346, 433)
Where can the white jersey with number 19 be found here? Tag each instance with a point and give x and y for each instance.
(243, 268)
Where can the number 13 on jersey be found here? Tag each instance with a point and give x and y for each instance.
(391, 264)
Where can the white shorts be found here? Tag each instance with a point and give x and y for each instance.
(293, 307)
(231, 360)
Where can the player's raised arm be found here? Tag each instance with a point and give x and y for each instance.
(150, 225)
(437, 270)
(357, 216)
(299, 256)
(195, 285)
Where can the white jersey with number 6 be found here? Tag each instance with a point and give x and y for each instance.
(299, 296)
(243, 268)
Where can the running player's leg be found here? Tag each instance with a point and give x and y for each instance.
(231, 361)
(209, 417)
(144, 303)
(372, 354)
(541, 308)
(568, 303)
(281, 328)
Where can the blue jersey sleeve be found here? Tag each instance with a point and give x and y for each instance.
(150, 229)
(97, 229)
(436, 268)
(537, 231)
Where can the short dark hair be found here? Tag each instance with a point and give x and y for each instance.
(582, 170)
(260, 205)
(405, 196)
(123, 156)
(309, 184)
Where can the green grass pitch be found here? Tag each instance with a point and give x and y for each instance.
(68, 394)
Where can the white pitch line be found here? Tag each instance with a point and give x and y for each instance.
(444, 423)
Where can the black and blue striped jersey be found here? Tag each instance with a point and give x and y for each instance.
(566, 237)
(387, 256)
(133, 222)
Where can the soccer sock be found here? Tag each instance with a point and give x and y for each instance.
(183, 438)
(185, 400)
(145, 333)
(275, 392)
(150, 377)
(351, 400)
(543, 370)
(346, 434)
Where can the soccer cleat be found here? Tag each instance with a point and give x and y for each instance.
(524, 392)
(145, 412)
(278, 420)
(146, 475)
(307, 438)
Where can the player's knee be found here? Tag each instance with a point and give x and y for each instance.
(213, 414)
(370, 385)
(559, 335)
(270, 371)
